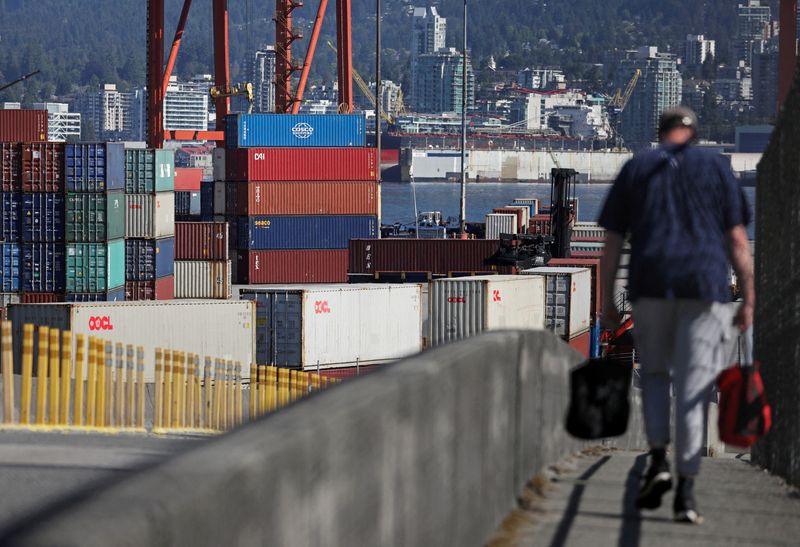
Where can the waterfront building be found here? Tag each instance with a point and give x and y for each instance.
(62, 125)
(542, 78)
(697, 49)
(186, 104)
(262, 76)
(110, 114)
(428, 34)
(438, 82)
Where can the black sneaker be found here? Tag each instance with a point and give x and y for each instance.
(684, 505)
(657, 481)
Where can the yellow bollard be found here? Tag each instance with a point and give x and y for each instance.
(55, 371)
(263, 390)
(182, 385)
(208, 384)
(198, 399)
(27, 374)
(130, 385)
(294, 386)
(190, 380)
(100, 412)
(239, 395)
(283, 388)
(230, 398)
(140, 385)
(167, 417)
(253, 393)
(158, 410)
(177, 380)
(304, 377)
(77, 406)
(109, 410)
(119, 385)
(273, 389)
(41, 375)
(66, 376)
(223, 412)
(315, 382)
(91, 384)
(219, 392)
(8, 373)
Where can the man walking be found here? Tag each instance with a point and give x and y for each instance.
(685, 214)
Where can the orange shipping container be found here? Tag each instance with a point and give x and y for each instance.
(23, 125)
(43, 167)
(302, 198)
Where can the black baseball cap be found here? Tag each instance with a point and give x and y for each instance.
(679, 116)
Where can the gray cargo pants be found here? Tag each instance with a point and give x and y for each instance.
(687, 342)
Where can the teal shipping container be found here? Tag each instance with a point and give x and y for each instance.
(148, 170)
(94, 218)
(95, 267)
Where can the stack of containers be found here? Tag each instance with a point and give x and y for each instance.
(95, 222)
(149, 224)
(187, 193)
(10, 274)
(202, 265)
(297, 189)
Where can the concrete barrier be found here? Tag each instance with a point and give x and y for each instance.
(431, 451)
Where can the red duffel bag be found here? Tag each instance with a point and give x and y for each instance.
(744, 414)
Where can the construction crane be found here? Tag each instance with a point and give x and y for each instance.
(618, 103)
(243, 89)
(18, 80)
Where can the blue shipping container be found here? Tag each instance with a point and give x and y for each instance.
(43, 217)
(9, 216)
(114, 295)
(43, 266)
(206, 200)
(10, 270)
(187, 205)
(263, 233)
(295, 130)
(149, 259)
(95, 167)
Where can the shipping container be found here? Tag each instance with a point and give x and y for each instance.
(262, 233)
(149, 170)
(497, 224)
(43, 167)
(219, 198)
(187, 206)
(569, 299)
(218, 164)
(296, 266)
(23, 125)
(582, 344)
(187, 179)
(43, 217)
(149, 259)
(160, 289)
(203, 279)
(519, 212)
(466, 306)
(303, 198)
(114, 295)
(540, 225)
(344, 373)
(295, 130)
(95, 167)
(420, 255)
(95, 267)
(9, 216)
(96, 217)
(10, 167)
(335, 325)
(206, 200)
(300, 164)
(10, 276)
(150, 216)
(594, 265)
(43, 267)
(5, 300)
(531, 203)
(201, 241)
(216, 328)
(588, 231)
(40, 297)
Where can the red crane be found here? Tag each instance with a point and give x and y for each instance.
(158, 75)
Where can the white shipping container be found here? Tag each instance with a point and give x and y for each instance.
(219, 198)
(217, 329)
(569, 299)
(203, 279)
(526, 213)
(218, 163)
(330, 326)
(500, 223)
(150, 216)
(532, 203)
(466, 306)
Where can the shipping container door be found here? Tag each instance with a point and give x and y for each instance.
(515, 304)
(10, 269)
(457, 310)
(285, 344)
(9, 216)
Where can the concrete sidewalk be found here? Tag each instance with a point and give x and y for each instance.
(593, 504)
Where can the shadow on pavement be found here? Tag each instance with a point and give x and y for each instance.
(562, 533)
(631, 519)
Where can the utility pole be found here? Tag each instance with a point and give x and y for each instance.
(378, 89)
(463, 216)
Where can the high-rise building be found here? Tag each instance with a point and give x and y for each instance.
(439, 85)
(428, 34)
(542, 78)
(752, 24)
(658, 88)
(392, 102)
(262, 76)
(765, 79)
(62, 125)
(186, 104)
(697, 49)
(110, 114)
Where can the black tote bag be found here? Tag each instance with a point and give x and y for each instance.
(599, 405)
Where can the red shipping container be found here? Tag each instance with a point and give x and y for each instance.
(539, 225)
(162, 288)
(513, 211)
(347, 372)
(201, 241)
(300, 164)
(40, 297)
(10, 153)
(187, 179)
(438, 256)
(302, 198)
(581, 343)
(296, 266)
(594, 265)
(390, 155)
(43, 167)
(23, 125)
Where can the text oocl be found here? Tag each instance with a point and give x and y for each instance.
(100, 322)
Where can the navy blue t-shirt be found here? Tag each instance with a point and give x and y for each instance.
(677, 203)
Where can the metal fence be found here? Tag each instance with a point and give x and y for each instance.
(777, 320)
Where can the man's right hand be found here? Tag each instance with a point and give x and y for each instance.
(744, 316)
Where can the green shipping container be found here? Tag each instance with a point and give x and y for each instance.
(149, 170)
(94, 218)
(95, 267)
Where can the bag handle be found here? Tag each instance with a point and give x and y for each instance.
(746, 348)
